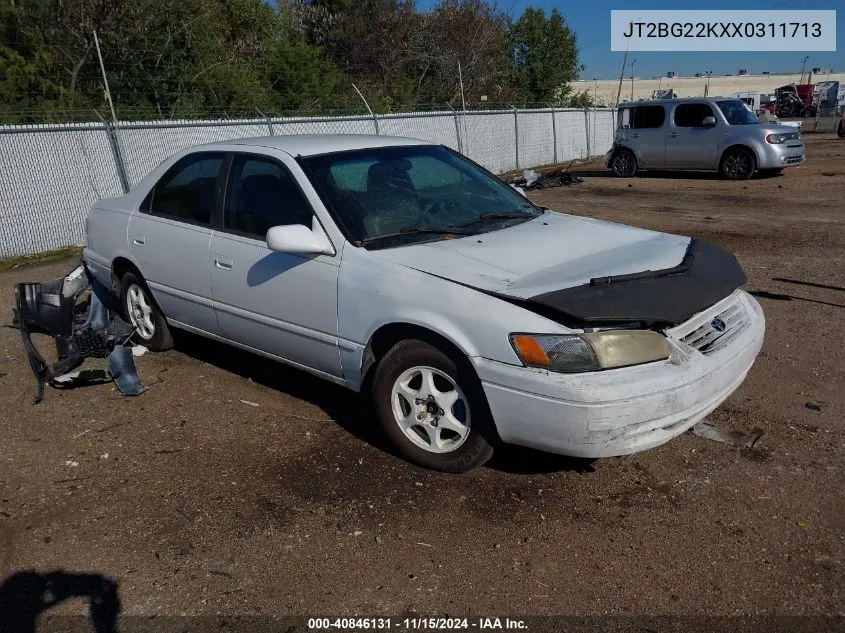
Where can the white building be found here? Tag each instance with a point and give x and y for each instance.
(604, 90)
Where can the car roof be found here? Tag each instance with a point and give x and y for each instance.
(629, 104)
(313, 144)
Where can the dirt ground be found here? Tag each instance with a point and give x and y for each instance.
(238, 486)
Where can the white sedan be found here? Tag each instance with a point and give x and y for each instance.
(400, 268)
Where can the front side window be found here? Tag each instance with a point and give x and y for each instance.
(737, 113)
(187, 191)
(383, 195)
(692, 114)
(261, 194)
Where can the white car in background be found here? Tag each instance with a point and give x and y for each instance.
(471, 316)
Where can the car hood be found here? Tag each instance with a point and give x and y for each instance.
(551, 252)
(584, 272)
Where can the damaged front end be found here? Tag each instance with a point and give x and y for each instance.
(650, 300)
(57, 308)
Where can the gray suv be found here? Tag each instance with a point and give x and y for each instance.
(706, 134)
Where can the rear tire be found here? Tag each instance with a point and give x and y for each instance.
(141, 310)
(738, 164)
(432, 408)
(624, 163)
(840, 131)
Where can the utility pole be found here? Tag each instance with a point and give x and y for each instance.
(622, 74)
(632, 78)
(803, 66)
(707, 87)
(105, 79)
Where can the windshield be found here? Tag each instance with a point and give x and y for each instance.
(737, 113)
(389, 195)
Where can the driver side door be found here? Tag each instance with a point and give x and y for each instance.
(283, 304)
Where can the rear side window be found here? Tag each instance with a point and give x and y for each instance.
(692, 114)
(262, 194)
(187, 191)
(646, 117)
(642, 117)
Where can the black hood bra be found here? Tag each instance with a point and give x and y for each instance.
(649, 299)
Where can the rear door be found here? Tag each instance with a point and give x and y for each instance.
(281, 303)
(647, 134)
(169, 237)
(691, 144)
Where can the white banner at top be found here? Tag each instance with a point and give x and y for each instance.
(684, 30)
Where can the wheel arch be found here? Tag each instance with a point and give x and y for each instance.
(389, 334)
(749, 148)
(122, 265)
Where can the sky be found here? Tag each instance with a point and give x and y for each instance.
(591, 22)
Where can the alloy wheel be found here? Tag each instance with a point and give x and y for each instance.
(140, 312)
(430, 409)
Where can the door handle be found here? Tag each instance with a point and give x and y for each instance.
(139, 240)
(635, 135)
(223, 263)
(673, 134)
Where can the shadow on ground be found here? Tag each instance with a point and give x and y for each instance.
(665, 175)
(25, 595)
(351, 411)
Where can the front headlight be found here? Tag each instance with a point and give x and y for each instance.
(591, 351)
(777, 139)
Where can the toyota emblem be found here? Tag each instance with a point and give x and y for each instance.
(718, 325)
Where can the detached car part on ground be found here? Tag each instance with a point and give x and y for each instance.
(471, 316)
(57, 308)
(707, 134)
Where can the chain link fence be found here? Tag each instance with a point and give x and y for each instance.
(50, 175)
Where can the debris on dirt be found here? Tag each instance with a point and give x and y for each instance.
(813, 406)
(559, 178)
(138, 350)
(710, 431)
(79, 313)
(250, 403)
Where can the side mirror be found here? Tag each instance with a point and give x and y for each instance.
(297, 238)
(709, 121)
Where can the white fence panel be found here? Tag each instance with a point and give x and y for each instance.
(536, 141)
(48, 181)
(490, 139)
(144, 146)
(438, 128)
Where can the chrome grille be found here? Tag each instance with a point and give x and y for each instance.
(793, 159)
(708, 338)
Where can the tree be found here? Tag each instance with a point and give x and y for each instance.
(545, 56)
(474, 34)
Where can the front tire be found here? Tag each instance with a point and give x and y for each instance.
(432, 408)
(142, 312)
(624, 163)
(738, 164)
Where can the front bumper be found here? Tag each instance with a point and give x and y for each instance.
(620, 411)
(778, 156)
